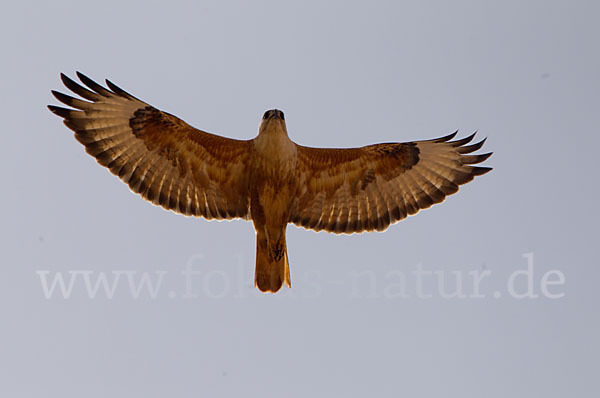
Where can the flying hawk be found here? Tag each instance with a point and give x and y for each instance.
(269, 179)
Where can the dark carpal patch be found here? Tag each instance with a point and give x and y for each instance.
(407, 153)
(147, 116)
(367, 178)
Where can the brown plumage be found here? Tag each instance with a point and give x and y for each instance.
(269, 179)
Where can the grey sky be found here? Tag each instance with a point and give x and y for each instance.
(525, 74)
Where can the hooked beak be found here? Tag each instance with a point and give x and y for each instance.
(273, 114)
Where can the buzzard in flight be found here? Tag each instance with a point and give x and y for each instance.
(269, 179)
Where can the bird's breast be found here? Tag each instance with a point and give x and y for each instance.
(275, 156)
(272, 180)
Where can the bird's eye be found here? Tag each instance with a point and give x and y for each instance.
(266, 115)
(281, 115)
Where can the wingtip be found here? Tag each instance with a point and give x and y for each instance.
(58, 95)
(446, 137)
(119, 91)
(114, 87)
(92, 85)
(84, 79)
(463, 141)
(471, 148)
(57, 110)
(483, 157)
(65, 79)
(479, 170)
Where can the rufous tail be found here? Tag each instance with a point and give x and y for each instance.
(272, 266)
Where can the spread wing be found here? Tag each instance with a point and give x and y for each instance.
(369, 188)
(159, 156)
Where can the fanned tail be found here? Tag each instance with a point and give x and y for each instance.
(272, 266)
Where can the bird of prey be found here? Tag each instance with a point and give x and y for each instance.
(269, 179)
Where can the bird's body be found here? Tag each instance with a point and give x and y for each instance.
(272, 188)
(269, 180)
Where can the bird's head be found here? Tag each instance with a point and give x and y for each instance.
(272, 121)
